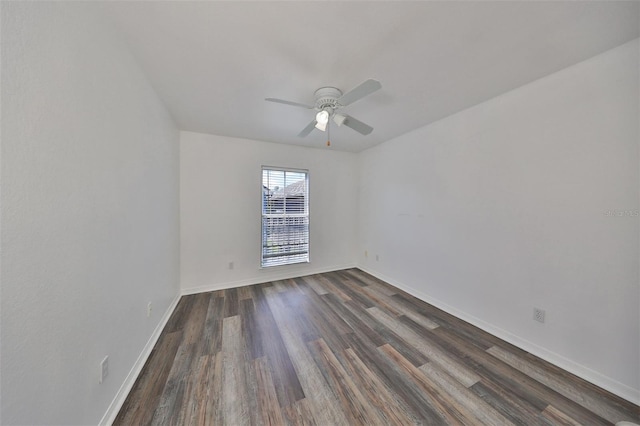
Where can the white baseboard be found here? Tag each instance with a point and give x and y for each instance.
(129, 381)
(276, 276)
(598, 379)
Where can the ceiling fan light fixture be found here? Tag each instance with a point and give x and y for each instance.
(339, 119)
(321, 126)
(322, 118)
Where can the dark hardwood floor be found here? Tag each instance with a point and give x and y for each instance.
(344, 348)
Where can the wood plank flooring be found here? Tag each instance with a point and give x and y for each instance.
(344, 348)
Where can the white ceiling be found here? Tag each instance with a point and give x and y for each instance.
(213, 63)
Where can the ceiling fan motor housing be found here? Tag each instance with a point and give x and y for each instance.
(327, 97)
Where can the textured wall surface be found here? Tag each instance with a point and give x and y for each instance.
(220, 209)
(89, 213)
(509, 205)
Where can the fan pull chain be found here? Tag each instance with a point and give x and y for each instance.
(329, 134)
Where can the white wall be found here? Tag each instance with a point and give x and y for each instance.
(89, 212)
(220, 202)
(503, 207)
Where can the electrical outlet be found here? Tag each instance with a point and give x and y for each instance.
(538, 315)
(149, 309)
(231, 265)
(104, 369)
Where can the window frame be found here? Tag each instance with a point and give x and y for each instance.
(307, 214)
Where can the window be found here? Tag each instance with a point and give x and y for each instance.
(285, 216)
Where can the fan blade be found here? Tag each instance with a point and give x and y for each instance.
(357, 125)
(307, 129)
(282, 101)
(359, 92)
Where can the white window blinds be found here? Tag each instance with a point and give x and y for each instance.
(285, 216)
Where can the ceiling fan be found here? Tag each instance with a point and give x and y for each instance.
(328, 101)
